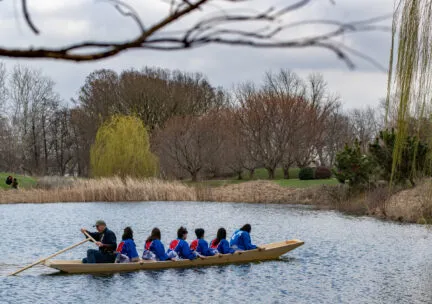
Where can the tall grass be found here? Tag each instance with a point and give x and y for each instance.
(412, 205)
(128, 189)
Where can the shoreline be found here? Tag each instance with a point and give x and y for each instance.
(412, 205)
(131, 190)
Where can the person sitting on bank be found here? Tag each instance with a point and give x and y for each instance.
(200, 245)
(221, 244)
(105, 240)
(179, 248)
(241, 239)
(126, 250)
(153, 247)
(15, 183)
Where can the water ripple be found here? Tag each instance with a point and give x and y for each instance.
(344, 259)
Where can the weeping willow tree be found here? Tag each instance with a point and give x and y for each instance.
(122, 149)
(410, 74)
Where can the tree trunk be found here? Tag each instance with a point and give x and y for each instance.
(35, 149)
(45, 169)
(194, 176)
(239, 175)
(286, 171)
(271, 173)
(251, 173)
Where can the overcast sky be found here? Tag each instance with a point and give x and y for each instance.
(63, 22)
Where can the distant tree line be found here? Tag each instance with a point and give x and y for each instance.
(195, 129)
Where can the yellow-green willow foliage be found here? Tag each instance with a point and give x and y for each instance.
(410, 69)
(122, 149)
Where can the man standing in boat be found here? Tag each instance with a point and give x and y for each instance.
(105, 240)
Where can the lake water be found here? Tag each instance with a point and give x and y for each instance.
(344, 259)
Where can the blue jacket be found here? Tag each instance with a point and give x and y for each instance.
(182, 248)
(128, 247)
(108, 238)
(201, 246)
(157, 248)
(223, 246)
(241, 240)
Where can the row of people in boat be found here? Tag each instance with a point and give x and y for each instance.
(154, 249)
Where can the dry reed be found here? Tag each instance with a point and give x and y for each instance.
(125, 190)
(412, 205)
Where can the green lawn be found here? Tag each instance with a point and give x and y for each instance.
(261, 174)
(292, 182)
(23, 181)
(296, 183)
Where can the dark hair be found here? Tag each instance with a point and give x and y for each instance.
(221, 235)
(155, 235)
(127, 233)
(246, 228)
(181, 232)
(199, 233)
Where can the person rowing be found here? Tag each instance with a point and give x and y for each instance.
(241, 239)
(153, 247)
(126, 250)
(106, 241)
(179, 248)
(221, 244)
(200, 245)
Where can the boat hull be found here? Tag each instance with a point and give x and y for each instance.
(269, 252)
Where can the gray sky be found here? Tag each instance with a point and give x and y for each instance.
(63, 22)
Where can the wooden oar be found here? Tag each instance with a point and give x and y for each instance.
(51, 256)
(90, 237)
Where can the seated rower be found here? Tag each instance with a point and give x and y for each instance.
(126, 250)
(241, 239)
(105, 240)
(220, 243)
(200, 245)
(153, 247)
(179, 248)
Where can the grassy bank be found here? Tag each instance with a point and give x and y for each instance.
(410, 205)
(261, 175)
(23, 181)
(290, 183)
(116, 189)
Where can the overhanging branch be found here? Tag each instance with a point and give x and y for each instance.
(222, 28)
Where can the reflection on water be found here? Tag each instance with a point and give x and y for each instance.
(344, 259)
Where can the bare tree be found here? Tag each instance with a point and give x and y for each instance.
(155, 95)
(320, 106)
(9, 158)
(62, 142)
(287, 85)
(338, 132)
(365, 124)
(32, 101)
(3, 89)
(263, 29)
(267, 124)
(190, 141)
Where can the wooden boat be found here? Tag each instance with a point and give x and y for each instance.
(268, 252)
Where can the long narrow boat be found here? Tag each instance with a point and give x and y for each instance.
(267, 252)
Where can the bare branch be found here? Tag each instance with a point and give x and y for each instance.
(27, 17)
(219, 28)
(119, 5)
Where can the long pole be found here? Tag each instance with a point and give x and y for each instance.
(51, 256)
(89, 236)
